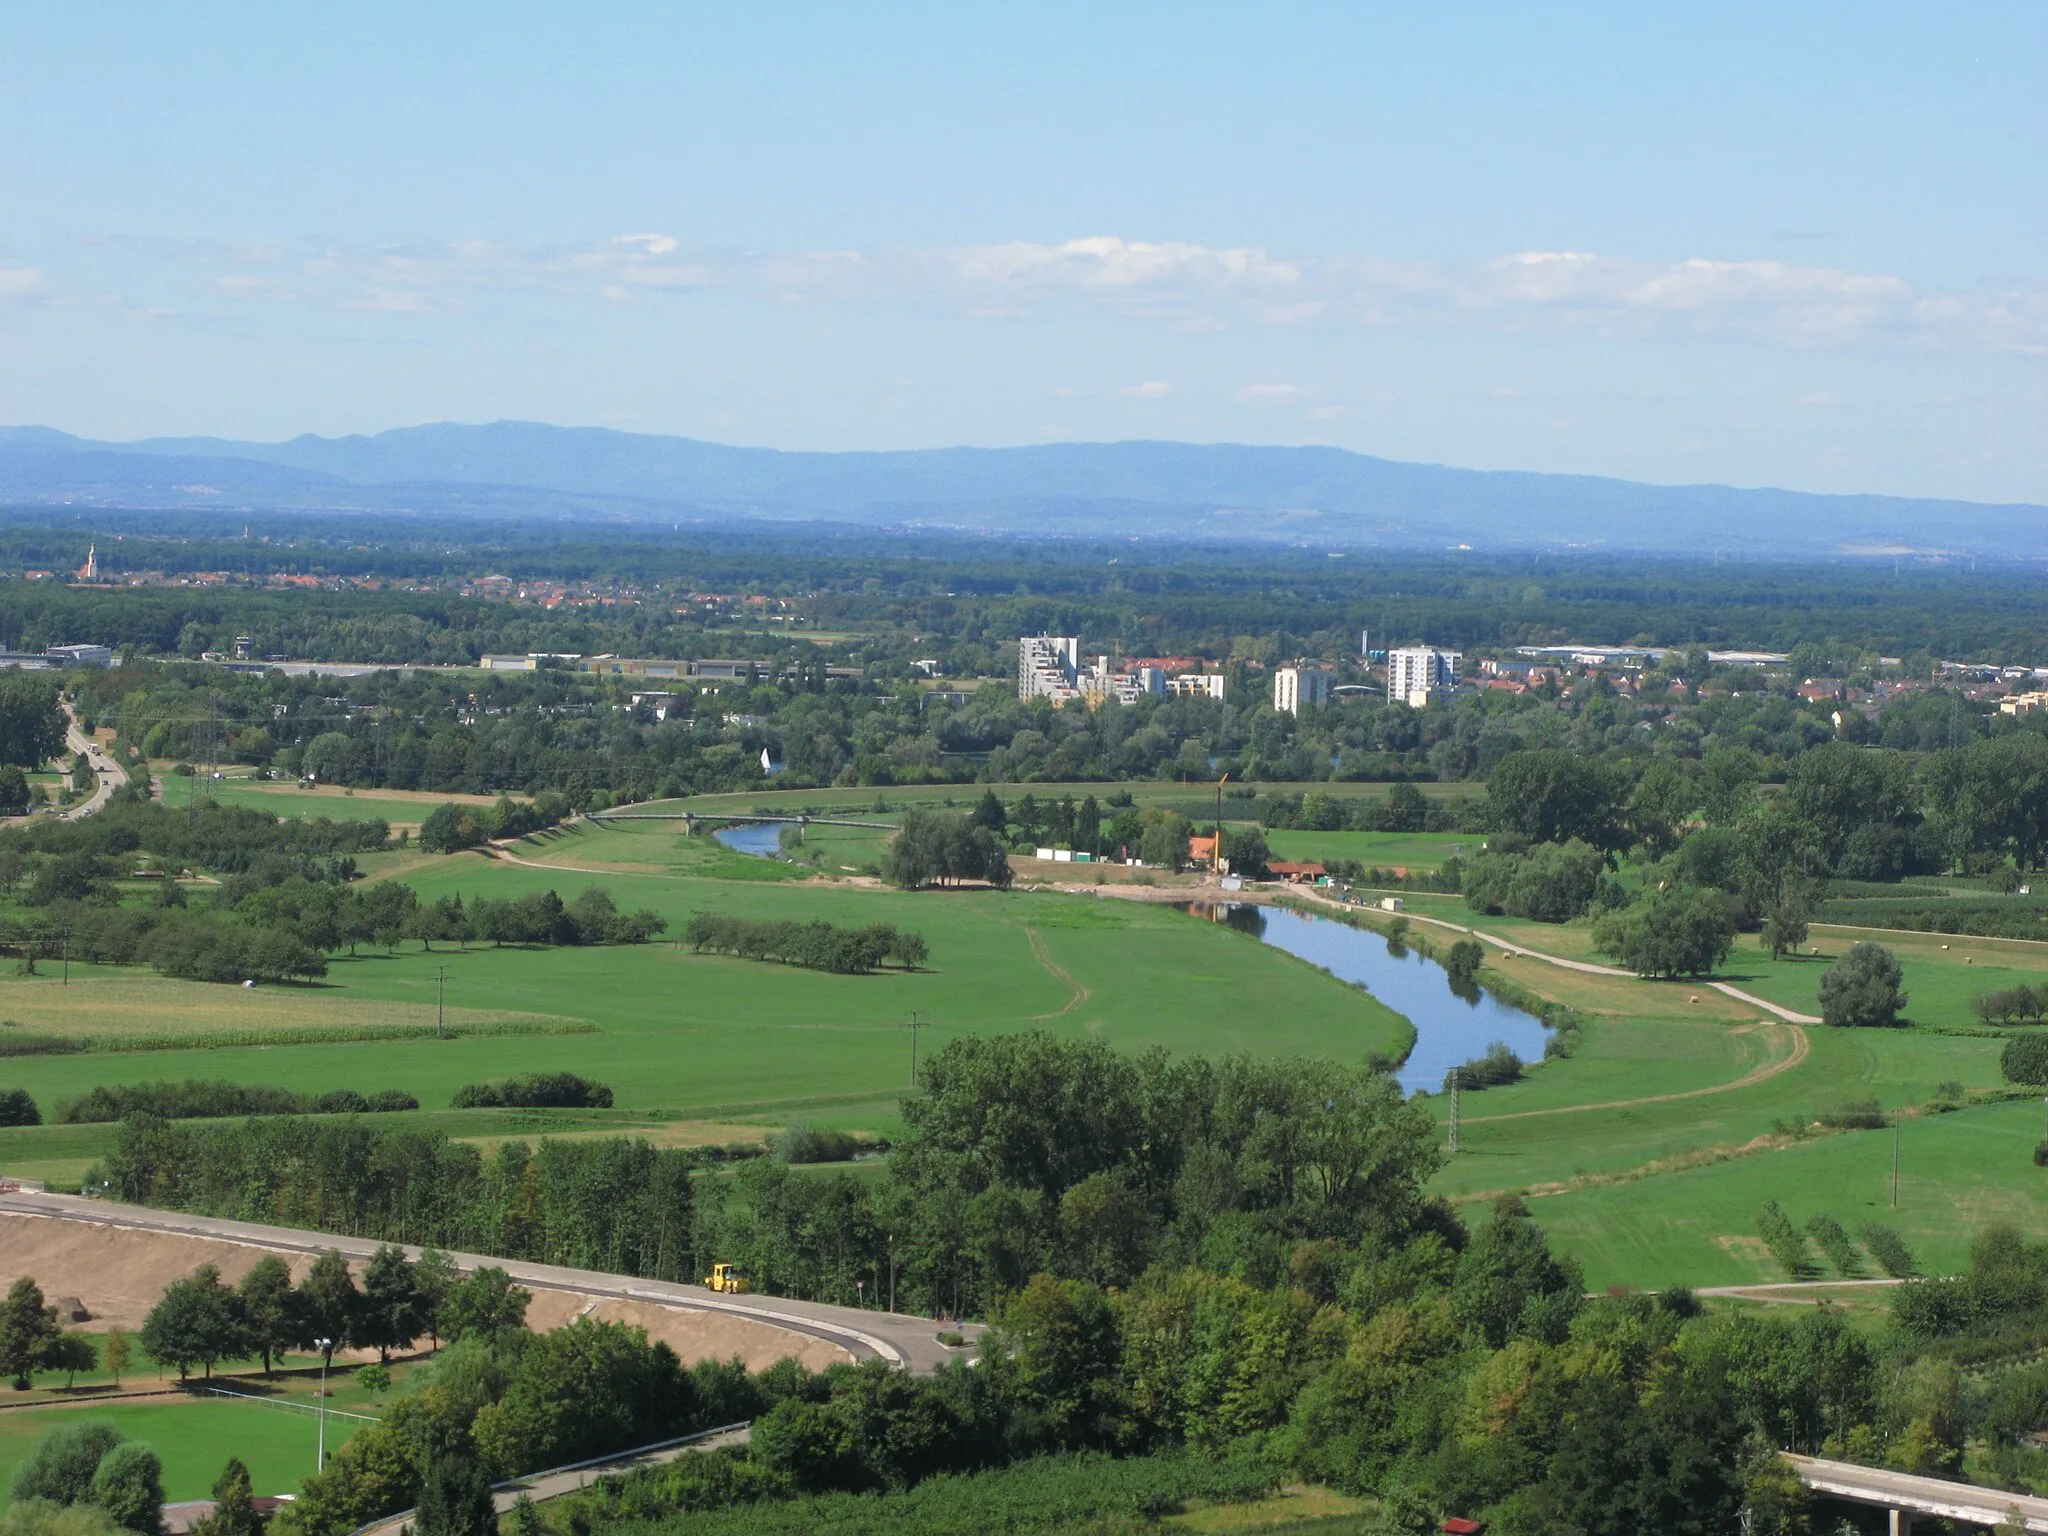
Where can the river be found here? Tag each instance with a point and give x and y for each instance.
(1449, 1029)
(763, 838)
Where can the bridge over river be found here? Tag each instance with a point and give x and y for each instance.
(721, 818)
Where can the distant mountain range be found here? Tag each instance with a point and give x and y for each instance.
(1318, 497)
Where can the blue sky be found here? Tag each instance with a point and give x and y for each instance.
(1764, 244)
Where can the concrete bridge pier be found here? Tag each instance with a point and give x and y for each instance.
(1899, 1522)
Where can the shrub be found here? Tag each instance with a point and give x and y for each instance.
(535, 1090)
(1861, 990)
(1498, 1066)
(129, 1485)
(2025, 1060)
(1864, 1114)
(806, 1144)
(60, 1468)
(39, 1045)
(1889, 1249)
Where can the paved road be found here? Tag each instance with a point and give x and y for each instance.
(1912, 1496)
(111, 774)
(911, 1342)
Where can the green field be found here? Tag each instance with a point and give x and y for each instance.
(1384, 850)
(683, 1037)
(285, 798)
(192, 1437)
(1698, 1227)
(1675, 1088)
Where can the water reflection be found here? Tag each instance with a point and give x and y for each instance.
(1455, 1022)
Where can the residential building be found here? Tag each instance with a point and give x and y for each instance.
(1419, 674)
(1048, 667)
(2023, 703)
(1297, 688)
(1195, 685)
(1296, 872)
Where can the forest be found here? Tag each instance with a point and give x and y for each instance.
(1189, 1265)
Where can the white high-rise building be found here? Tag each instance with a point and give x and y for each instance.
(1299, 688)
(1419, 674)
(1048, 667)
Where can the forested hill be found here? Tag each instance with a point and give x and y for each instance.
(1232, 492)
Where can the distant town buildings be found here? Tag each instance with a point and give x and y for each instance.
(1050, 667)
(1297, 688)
(1420, 674)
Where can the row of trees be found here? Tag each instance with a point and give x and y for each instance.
(613, 1204)
(288, 930)
(196, 1099)
(201, 1321)
(817, 946)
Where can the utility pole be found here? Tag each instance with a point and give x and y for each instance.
(915, 1021)
(440, 1001)
(1898, 1119)
(324, 1346)
(1454, 1111)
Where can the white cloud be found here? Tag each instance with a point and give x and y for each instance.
(15, 282)
(1189, 287)
(1272, 392)
(1328, 412)
(1151, 389)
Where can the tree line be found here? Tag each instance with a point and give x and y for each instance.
(818, 946)
(194, 1099)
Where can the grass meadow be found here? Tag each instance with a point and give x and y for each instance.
(1647, 1151)
(193, 1437)
(687, 1038)
(1385, 850)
